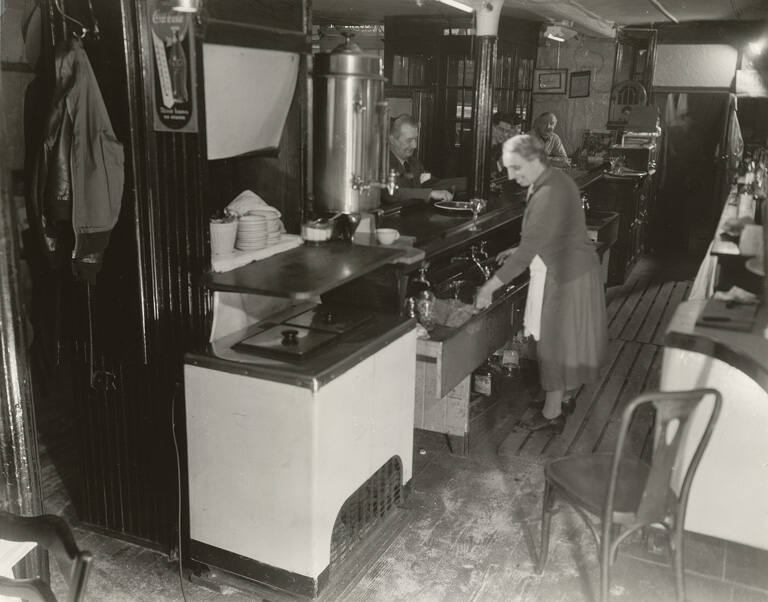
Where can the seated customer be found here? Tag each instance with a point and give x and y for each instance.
(544, 131)
(504, 127)
(412, 181)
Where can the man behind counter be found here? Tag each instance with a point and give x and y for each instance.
(544, 130)
(412, 181)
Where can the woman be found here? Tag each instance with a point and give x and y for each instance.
(565, 309)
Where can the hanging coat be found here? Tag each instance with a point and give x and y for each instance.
(79, 172)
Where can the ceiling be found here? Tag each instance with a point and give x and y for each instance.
(598, 17)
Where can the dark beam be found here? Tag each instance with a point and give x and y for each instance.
(484, 52)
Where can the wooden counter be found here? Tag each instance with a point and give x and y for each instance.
(438, 233)
(728, 493)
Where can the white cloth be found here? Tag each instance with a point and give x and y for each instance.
(704, 283)
(238, 258)
(535, 299)
(248, 202)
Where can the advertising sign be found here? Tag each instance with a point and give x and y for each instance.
(174, 76)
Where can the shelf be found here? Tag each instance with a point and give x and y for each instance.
(305, 272)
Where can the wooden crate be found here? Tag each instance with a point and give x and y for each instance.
(449, 414)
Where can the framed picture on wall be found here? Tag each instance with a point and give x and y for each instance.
(579, 87)
(550, 81)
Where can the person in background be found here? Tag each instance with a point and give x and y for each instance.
(544, 131)
(565, 308)
(412, 181)
(503, 127)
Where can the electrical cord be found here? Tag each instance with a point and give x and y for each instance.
(178, 481)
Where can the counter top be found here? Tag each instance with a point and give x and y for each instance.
(437, 232)
(316, 370)
(746, 351)
(305, 272)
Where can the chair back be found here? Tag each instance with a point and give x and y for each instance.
(665, 490)
(53, 534)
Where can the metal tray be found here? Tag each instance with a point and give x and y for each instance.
(454, 207)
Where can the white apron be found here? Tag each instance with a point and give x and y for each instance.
(535, 299)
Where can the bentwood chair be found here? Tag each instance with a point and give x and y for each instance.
(52, 533)
(617, 493)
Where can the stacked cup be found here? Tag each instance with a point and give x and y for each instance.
(223, 233)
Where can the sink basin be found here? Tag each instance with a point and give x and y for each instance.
(458, 288)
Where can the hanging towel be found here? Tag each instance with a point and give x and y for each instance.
(682, 106)
(535, 299)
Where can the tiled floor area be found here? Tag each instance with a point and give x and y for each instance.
(470, 530)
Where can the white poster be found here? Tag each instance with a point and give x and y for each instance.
(248, 92)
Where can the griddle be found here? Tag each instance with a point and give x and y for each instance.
(328, 318)
(284, 341)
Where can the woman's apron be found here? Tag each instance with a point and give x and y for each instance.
(535, 298)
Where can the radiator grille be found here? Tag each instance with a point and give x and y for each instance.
(373, 501)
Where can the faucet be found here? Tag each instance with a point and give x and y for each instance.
(477, 255)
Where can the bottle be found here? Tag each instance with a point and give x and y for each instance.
(177, 65)
(482, 380)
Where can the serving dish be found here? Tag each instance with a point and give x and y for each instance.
(458, 207)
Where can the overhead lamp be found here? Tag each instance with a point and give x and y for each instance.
(186, 6)
(559, 32)
(459, 5)
(757, 47)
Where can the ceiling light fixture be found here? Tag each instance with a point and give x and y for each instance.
(186, 6)
(559, 32)
(757, 47)
(459, 5)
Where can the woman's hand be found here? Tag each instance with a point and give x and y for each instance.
(485, 294)
(502, 256)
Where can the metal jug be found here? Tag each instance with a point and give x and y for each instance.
(351, 125)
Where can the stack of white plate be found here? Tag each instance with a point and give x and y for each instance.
(273, 230)
(252, 233)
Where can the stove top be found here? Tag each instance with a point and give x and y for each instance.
(329, 318)
(285, 342)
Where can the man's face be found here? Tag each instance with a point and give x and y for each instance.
(502, 131)
(403, 143)
(524, 172)
(545, 127)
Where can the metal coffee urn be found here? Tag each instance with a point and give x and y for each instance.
(351, 124)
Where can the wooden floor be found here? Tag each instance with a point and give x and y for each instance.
(638, 314)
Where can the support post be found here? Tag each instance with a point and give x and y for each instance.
(487, 13)
(20, 488)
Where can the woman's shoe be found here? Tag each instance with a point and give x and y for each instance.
(568, 406)
(540, 422)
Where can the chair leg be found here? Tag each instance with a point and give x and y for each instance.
(546, 519)
(605, 561)
(615, 534)
(676, 534)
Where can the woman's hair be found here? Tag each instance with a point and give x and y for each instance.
(528, 147)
